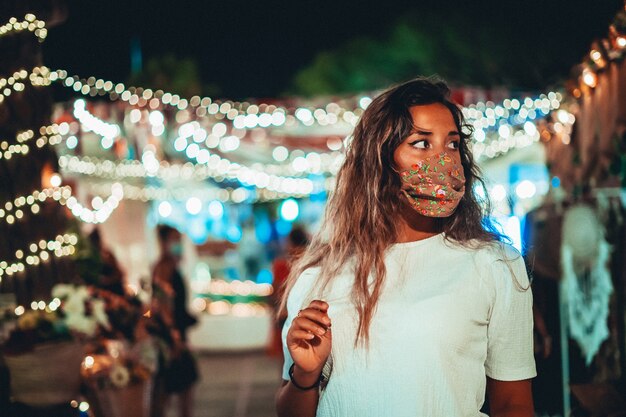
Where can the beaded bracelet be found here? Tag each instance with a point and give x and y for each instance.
(300, 387)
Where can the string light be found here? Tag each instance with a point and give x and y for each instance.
(232, 288)
(596, 57)
(251, 116)
(225, 307)
(90, 123)
(51, 134)
(225, 195)
(589, 78)
(317, 163)
(40, 76)
(243, 115)
(13, 211)
(216, 168)
(192, 133)
(30, 23)
(39, 252)
(601, 52)
(102, 209)
(483, 116)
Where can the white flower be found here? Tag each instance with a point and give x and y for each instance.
(99, 312)
(74, 305)
(120, 377)
(81, 324)
(62, 290)
(80, 293)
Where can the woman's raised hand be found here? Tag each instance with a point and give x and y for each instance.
(309, 338)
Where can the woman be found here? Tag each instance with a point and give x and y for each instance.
(110, 276)
(297, 241)
(179, 373)
(428, 309)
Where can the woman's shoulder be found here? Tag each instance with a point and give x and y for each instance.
(499, 260)
(491, 257)
(486, 251)
(498, 251)
(306, 279)
(302, 287)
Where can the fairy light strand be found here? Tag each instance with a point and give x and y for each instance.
(485, 114)
(30, 23)
(485, 117)
(51, 134)
(225, 195)
(219, 170)
(39, 252)
(15, 210)
(38, 77)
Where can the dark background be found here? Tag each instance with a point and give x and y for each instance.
(243, 49)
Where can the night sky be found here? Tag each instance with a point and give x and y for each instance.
(253, 49)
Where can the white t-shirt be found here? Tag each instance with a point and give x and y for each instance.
(448, 316)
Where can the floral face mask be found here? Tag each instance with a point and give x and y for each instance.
(434, 186)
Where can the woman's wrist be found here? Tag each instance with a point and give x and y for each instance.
(305, 379)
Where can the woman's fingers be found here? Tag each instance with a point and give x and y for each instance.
(314, 315)
(310, 322)
(319, 305)
(298, 335)
(304, 323)
(309, 338)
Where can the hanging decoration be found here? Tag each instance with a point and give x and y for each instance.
(586, 282)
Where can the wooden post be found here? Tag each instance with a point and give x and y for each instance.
(564, 325)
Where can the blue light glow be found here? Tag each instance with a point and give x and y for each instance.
(289, 210)
(265, 277)
(234, 233)
(511, 227)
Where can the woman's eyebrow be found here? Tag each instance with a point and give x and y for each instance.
(425, 132)
(421, 131)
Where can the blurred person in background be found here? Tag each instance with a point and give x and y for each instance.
(297, 241)
(178, 371)
(110, 277)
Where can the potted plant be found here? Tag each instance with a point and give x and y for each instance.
(44, 350)
(119, 376)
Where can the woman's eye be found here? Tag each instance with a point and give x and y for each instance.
(420, 144)
(453, 145)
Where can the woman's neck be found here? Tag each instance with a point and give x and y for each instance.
(413, 226)
(411, 235)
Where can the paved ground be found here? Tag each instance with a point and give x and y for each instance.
(236, 385)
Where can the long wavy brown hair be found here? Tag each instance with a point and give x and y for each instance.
(361, 218)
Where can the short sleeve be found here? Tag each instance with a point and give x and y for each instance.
(295, 302)
(510, 354)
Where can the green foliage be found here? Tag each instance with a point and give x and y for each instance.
(452, 46)
(172, 74)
